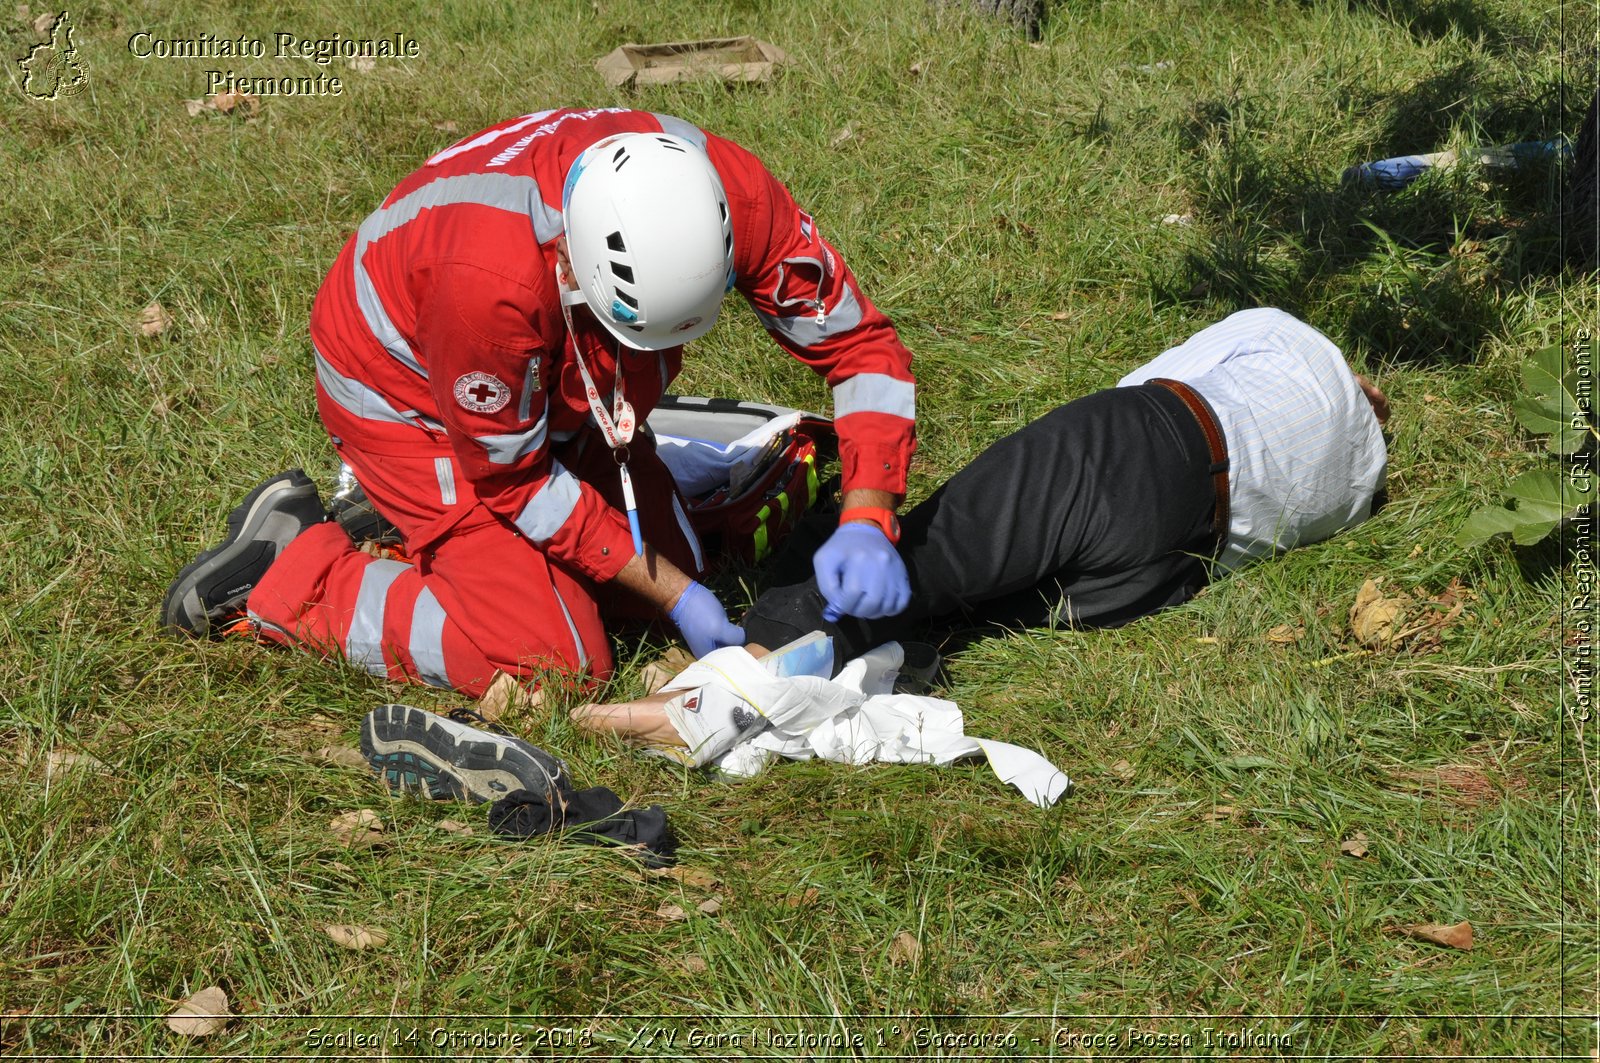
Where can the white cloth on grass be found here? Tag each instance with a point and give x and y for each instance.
(1305, 451)
(735, 713)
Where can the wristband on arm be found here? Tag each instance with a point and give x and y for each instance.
(883, 519)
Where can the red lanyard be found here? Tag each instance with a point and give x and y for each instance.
(618, 424)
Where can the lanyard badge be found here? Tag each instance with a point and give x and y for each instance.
(617, 424)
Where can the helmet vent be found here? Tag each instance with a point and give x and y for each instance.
(724, 208)
(619, 158)
(624, 273)
(625, 297)
(671, 145)
(614, 241)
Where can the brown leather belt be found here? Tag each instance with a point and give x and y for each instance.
(1219, 449)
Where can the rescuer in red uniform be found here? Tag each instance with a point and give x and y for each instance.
(487, 345)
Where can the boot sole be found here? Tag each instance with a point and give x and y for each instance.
(420, 752)
(234, 558)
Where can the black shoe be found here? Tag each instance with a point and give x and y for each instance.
(421, 752)
(359, 518)
(213, 588)
(920, 669)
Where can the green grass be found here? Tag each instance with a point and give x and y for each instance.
(1003, 203)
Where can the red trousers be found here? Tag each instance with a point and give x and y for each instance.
(477, 597)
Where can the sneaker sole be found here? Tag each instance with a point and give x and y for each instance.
(416, 751)
(239, 552)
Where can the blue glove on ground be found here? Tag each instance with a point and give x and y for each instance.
(860, 574)
(703, 622)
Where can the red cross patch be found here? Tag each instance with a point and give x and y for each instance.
(481, 393)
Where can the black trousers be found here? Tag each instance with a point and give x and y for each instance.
(1097, 513)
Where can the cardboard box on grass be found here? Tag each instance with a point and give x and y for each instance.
(735, 59)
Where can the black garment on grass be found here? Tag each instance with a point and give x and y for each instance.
(593, 816)
(1095, 514)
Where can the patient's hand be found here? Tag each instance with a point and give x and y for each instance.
(1379, 401)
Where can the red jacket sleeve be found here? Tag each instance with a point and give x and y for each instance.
(808, 299)
(489, 367)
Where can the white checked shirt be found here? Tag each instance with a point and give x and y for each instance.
(1305, 451)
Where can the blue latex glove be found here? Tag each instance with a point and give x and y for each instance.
(860, 574)
(703, 622)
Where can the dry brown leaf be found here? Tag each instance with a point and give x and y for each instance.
(201, 1014)
(1463, 784)
(1218, 814)
(1285, 634)
(660, 672)
(672, 913)
(195, 107)
(363, 64)
(450, 826)
(447, 126)
(915, 69)
(904, 950)
(1355, 846)
(24, 13)
(356, 938)
(1374, 619)
(694, 963)
(45, 23)
(1208, 640)
(843, 135)
(342, 757)
(804, 899)
(1061, 315)
(695, 877)
(710, 906)
(358, 830)
(245, 103)
(1458, 936)
(505, 693)
(154, 320)
(1121, 769)
(61, 762)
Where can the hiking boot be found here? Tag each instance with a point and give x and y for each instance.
(211, 591)
(422, 752)
(356, 514)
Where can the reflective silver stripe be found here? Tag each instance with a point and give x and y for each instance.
(875, 393)
(427, 640)
(512, 448)
(550, 506)
(688, 533)
(583, 654)
(509, 192)
(447, 480)
(363, 401)
(804, 331)
(490, 137)
(364, 645)
(679, 128)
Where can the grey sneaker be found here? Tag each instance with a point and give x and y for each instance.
(417, 751)
(212, 589)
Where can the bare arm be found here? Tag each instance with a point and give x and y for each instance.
(654, 578)
(642, 720)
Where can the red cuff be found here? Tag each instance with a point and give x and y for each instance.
(874, 467)
(606, 546)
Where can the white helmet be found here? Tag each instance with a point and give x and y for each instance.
(649, 238)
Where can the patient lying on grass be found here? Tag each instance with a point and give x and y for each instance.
(1249, 439)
